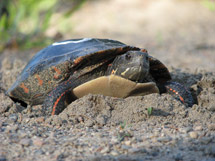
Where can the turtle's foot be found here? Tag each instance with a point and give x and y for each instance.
(57, 101)
(178, 91)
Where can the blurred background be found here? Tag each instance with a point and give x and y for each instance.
(181, 33)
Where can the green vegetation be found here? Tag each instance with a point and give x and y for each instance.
(123, 133)
(210, 4)
(150, 110)
(123, 125)
(23, 23)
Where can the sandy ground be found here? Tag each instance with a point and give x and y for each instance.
(95, 127)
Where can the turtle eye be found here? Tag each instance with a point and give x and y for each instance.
(127, 56)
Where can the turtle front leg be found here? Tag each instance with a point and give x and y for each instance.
(178, 91)
(62, 95)
(58, 99)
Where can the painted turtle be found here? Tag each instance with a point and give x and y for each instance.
(52, 74)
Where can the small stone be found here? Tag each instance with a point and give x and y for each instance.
(211, 127)
(40, 120)
(52, 134)
(105, 150)
(22, 134)
(178, 157)
(210, 150)
(6, 104)
(185, 130)
(137, 150)
(7, 64)
(134, 150)
(193, 134)
(38, 142)
(114, 140)
(128, 142)
(125, 147)
(64, 122)
(25, 142)
(89, 123)
(101, 120)
(11, 128)
(39, 152)
(205, 140)
(56, 121)
(61, 156)
(26, 120)
(13, 117)
(155, 153)
(114, 153)
(3, 158)
(198, 128)
(211, 108)
(164, 139)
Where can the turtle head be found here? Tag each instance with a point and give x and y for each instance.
(132, 65)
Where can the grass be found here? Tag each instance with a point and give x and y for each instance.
(23, 23)
(149, 110)
(209, 4)
(122, 134)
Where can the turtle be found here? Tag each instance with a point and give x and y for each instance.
(55, 76)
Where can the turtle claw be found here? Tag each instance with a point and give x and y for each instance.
(178, 91)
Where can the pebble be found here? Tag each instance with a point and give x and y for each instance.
(114, 140)
(39, 152)
(101, 120)
(193, 134)
(114, 153)
(7, 64)
(26, 120)
(1, 124)
(164, 139)
(178, 157)
(22, 134)
(14, 138)
(11, 128)
(38, 142)
(105, 150)
(125, 147)
(25, 142)
(3, 158)
(89, 123)
(211, 127)
(128, 142)
(185, 129)
(13, 118)
(205, 140)
(210, 150)
(137, 150)
(211, 108)
(40, 119)
(198, 128)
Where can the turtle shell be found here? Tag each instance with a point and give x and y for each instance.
(57, 62)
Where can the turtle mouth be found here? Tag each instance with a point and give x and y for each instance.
(137, 74)
(136, 71)
(143, 72)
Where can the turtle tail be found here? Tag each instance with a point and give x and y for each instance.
(178, 91)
